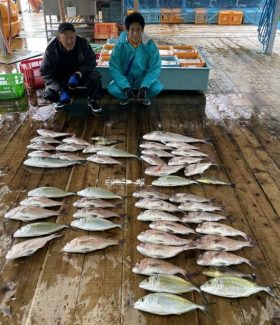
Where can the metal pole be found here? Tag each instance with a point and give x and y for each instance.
(276, 14)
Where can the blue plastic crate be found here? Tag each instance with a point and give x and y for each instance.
(188, 16)
(213, 14)
(169, 61)
(252, 16)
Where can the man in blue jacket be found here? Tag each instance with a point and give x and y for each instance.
(68, 63)
(135, 64)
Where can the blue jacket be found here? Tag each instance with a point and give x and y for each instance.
(146, 65)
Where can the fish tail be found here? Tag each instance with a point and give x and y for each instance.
(250, 239)
(121, 241)
(252, 277)
(204, 309)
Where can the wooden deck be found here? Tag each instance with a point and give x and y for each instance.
(240, 114)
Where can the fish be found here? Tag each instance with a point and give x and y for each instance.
(104, 141)
(52, 134)
(214, 181)
(49, 163)
(163, 136)
(41, 202)
(162, 170)
(197, 168)
(38, 229)
(29, 247)
(198, 217)
(160, 251)
(168, 283)
(152, 160)
(41, 147)
(157, 215)
(29, 213)
(220, 243)
(151, 266)
(104, 160)
(162, 238)
(114, 152)
(154, 204)
(47, 140)
(70, 147)
(226, 271)
(181, 145)
(167, 181)
(157, 153)
(95, 212)
(221, 259)
(187, 197)
(95, 148)
(215, 228)
(97, 193)
(94, 224)
(150, 194)
(86, 244)
(189, 153)
(68, 156)
(90, 203)
(75, 140)
(154, 145)
(49, 192)
(166, 304)
(198, 206)
(233, 287)
(179, 160)
(171, 227)
(39, 154)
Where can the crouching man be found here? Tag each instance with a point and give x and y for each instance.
(69, 62)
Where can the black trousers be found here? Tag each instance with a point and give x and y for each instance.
(92, 81)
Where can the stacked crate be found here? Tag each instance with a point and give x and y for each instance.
(171, 16)
(230, 17)
(200, 16)
(105, 30)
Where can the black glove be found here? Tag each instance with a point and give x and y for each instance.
(129, 93)
(142, 93)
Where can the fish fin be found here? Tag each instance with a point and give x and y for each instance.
(189, 276)
(253, 277)
(250, 239)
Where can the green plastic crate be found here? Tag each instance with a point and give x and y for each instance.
(11, 85)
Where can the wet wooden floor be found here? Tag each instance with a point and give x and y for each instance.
(239, 114)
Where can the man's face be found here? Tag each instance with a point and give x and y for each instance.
(135, 32)
(67, 39)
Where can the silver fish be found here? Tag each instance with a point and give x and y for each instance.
(167, 283)
(29, 213)
(150, 194)
(221, 259)
(198, 206)
(187, 197)
(49, 163)
(52, 134)
(114, 152)
(151, 266)
(39, 154)
(179, 160)
(162, 170)
(233, 287)
(226, 271)
(214, 181)
(197, 168)
(38, 229)
(172, 227)
(220, 243)
(104, 160)
(163, 136)
(41, 147)
(86, 244)
(90, 203)
(94, 212)
(189, 153)
(198, 217)
(94, 224)
(215, 228)
(75, 140)
(167, 181)
(48, 140)
(153, 145)
(156, 153)
(70, 147)
(29, 247)
(156, 215)
(95, 148)
(161, 237)
(166, 304)
(41, 202)
(49, 192)
(68, 156)
(97, 193)
(154, 204)
(152, 160)
(104, 141)
(181, 145)
(160, 251)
